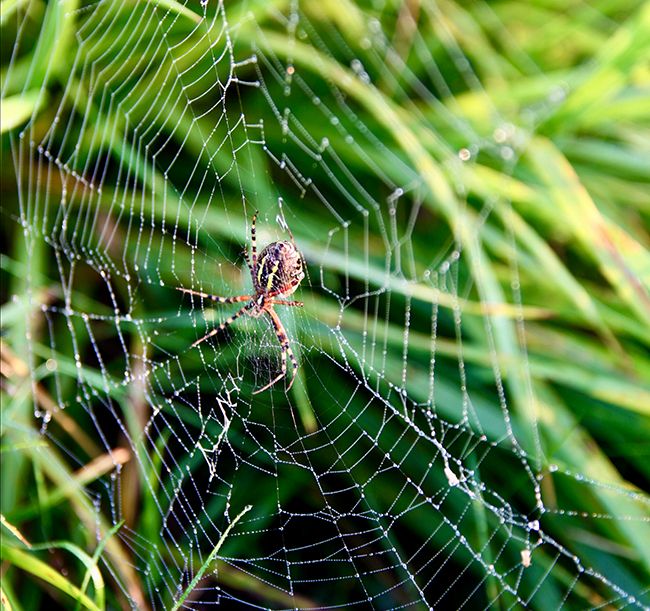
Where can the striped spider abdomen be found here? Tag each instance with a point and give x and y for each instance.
(279, 269)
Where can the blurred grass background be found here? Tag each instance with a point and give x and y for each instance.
(558, 131)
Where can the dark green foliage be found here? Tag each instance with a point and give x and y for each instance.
(480, 178)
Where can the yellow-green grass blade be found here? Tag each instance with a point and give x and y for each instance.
(622, 260)
(29, 563)
(209, 561)
(17, 109)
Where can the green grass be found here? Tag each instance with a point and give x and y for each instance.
(552, 289)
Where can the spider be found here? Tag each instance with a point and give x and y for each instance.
(276, 273)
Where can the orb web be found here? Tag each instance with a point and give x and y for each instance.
(405, 468)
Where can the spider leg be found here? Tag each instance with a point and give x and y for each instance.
(284, 302)
(222, 326)
(294, 366)
(216, 298)
(248, 261)
(277, 378)
(286, 350)
(254, 242)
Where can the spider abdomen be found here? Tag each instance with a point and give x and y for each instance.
(279, 269)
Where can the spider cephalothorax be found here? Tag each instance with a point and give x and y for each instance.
(276, 273)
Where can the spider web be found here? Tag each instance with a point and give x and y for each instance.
(372, 483)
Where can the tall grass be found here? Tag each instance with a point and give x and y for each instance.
(552, 286)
